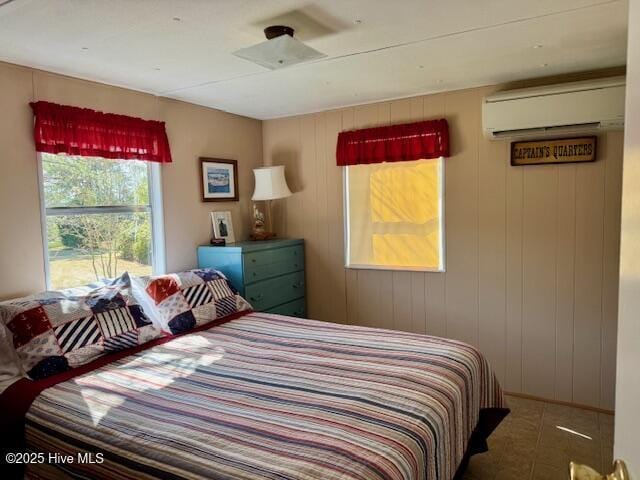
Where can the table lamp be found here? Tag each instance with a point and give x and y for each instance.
(270, 185)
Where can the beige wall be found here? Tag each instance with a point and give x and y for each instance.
(628, 381)
(193, 132)
(531, 252)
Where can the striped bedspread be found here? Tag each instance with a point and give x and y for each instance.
(272, 397)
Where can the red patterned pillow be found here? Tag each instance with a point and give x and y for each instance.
(55, 331)
(181, 301)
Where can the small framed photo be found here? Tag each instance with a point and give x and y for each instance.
(223, 226)
(219, 179)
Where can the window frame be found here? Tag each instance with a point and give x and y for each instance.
(443, 254)
(155, 209)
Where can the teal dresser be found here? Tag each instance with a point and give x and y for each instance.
(269, 274)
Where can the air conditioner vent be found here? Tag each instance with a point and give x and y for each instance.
(544, 131)
(554, 110)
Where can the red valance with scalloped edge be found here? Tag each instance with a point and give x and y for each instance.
(86, 132)
(395, 143)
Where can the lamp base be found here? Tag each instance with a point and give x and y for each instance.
(256, 236)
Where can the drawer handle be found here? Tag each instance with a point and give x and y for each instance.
(298, 285)
(256, 298)
(253, 260)
(299, 312)
(254, 274)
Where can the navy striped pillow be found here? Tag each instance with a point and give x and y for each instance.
(58, 330)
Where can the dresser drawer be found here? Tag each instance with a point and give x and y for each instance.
(276, 291)
(297, 308)
(272, 263)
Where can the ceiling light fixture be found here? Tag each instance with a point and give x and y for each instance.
(544, 65)
(357, 21)
(280, 50)
(85, 48)
(537, 46)
(176, 19)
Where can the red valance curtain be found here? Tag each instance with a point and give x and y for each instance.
(395, 143)
(81, 131)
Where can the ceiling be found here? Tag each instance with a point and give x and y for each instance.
(376, 49)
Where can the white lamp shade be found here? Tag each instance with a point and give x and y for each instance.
(270, 183)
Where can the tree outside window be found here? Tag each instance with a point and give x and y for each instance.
(98, 218)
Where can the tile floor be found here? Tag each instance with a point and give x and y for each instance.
(528, 445)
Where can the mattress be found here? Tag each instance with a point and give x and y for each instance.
(269, 397)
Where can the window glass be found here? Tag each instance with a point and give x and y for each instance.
(98, 218)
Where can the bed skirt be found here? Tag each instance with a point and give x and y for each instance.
(489, 419)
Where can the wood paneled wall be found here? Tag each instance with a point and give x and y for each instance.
(531, 252)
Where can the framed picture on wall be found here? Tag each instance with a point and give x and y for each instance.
(218, 179)
(223, 226)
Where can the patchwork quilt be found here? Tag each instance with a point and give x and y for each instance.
(178, 302)
(271, 397)
(56, 330)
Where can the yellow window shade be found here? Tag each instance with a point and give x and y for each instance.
(394, 215)
(407, 250)
(405, 193)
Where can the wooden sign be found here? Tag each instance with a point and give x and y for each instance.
(562, 150)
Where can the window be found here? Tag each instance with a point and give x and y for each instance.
(101, 218)
(394, 215)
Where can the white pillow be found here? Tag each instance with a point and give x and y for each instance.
(10, 369)
(147, 304)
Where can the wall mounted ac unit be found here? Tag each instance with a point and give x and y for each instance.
(568, 108)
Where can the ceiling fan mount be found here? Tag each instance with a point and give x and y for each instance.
(277, 31)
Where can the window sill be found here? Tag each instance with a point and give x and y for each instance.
(394, 268)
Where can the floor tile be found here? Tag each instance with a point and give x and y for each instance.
(521, 473)
(545, 472)
(538, 439)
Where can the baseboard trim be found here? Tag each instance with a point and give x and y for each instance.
(560, 402)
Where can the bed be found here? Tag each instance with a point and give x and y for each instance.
(262, 396)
